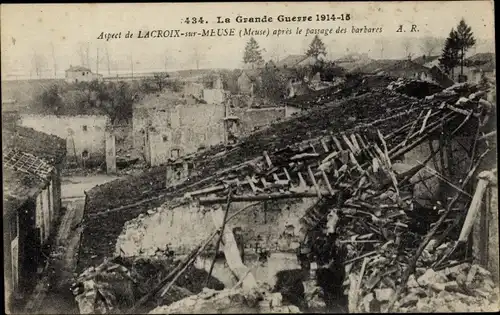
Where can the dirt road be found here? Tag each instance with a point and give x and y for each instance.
(52, 294)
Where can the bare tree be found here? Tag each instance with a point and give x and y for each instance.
(197, 56)
(381, 46)
(87, 53)
(38, 62)
(83, 52)
(54, 60)
(107, 58)
(430, 45)
(132, 64)
(408, 47)
(275, 51)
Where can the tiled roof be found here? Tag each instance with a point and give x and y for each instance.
(22, 180)
(29, 157)
(77, 68)
(27, 163)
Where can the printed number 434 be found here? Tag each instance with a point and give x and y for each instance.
(193, 20)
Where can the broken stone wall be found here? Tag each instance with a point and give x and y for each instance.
(185, 227)
(258, 117)
(183, 127)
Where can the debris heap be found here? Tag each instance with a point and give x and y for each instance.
(229, 301)
(121, 284)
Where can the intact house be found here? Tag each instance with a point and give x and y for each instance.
(487, 70)
(75, 74)
(408, 69)
(32, 165)
(88, 137)
(294, 61)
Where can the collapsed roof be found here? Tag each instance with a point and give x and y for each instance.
(29, 158)
(357, 116)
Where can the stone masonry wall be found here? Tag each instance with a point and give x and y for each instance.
(185, 227)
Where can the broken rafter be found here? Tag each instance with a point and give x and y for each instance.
(268, 160)
(219, 240)
(323, 143)
(313, 180)
(414, 124)
(424, 123)
(264, 197)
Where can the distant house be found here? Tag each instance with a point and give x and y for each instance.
(254, 65)
(479, 59)
(270, 65)
(32, 165)
(248, 80)
(81, 74)
(427, 61)
(374, 66)
(294, 61)
(487, 70)
(411, 70)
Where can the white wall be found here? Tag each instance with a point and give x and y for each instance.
(187, 226)
(71, 128)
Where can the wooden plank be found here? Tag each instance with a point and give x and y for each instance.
(232, 254)
(474, 208)
(311, 176)
(337, 143)
(287, 174)
(349, 144)
(355, 143)
(312, 146)
(323, 143)
(327, 182)
(355, 162)
(265, 183)
(275, 177)
(264, 197)
(301, 180)
(360, 139)
(250, 182)
(424, 123)
(268, 160)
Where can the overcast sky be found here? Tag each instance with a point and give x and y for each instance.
(57, 31)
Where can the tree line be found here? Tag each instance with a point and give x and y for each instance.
(274, 81)
(114, 99)
(459, 41)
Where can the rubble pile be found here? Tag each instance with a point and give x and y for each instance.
(381, 225)
(461, 288)
(258, 300)
(117, 285)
